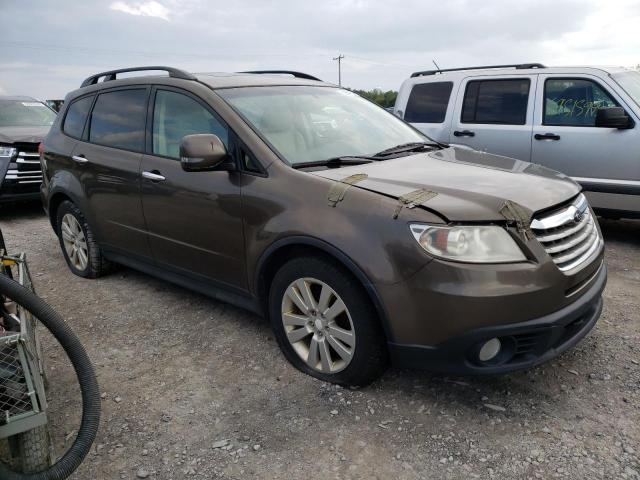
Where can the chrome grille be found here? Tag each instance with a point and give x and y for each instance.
(570, 235)
(25, 167)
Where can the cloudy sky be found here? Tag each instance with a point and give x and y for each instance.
(48, 46)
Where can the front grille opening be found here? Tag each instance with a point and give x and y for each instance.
(569, 235)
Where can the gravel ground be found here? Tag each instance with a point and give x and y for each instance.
(194, 388)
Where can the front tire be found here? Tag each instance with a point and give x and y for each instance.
(77, 240)
(325, 322)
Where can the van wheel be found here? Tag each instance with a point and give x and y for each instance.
(78, 244)
(325, 323)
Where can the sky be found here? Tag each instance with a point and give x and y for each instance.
(48, 47)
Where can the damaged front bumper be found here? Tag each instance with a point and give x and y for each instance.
(522, 344)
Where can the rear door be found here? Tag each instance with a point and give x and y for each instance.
(605, 160)
(495, 114)
(430, 110)
(107, 163)
(194, 218)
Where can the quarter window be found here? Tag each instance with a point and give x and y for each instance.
(118, 119)
(77, 116)
(501, 102)
(176, 115)
(428, 102)
(574, 102)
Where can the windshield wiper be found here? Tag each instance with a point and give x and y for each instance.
(406, 147)
(410, 147)
(336, 162)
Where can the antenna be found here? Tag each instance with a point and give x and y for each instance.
(434, 62)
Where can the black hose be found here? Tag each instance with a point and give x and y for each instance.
(72, 459)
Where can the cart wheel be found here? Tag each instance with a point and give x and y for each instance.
(35, 449)
(32, 452)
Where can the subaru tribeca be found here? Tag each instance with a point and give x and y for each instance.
(362, 240)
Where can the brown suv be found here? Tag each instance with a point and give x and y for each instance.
(361, 239)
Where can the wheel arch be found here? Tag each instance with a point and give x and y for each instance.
(280, 251)
(54, 203)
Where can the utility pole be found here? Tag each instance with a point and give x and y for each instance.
(339, 59)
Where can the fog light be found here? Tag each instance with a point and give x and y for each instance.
(489, 350)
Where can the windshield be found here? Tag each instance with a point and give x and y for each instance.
(630, 83)
(21, 113)
(310, 124)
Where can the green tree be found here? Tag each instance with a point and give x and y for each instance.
(384, 99)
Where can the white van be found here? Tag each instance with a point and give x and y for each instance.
(582, 121)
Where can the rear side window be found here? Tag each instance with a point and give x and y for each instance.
(501, 102)
(428, 102)
(77, 116)
(118, 119)
(574, 102)
(176, 115)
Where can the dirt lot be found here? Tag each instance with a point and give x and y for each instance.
(194, 388)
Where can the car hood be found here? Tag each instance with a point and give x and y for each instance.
(23, 134)
(468, 185)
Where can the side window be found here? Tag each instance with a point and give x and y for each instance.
(176, 115)
(501, 102)
(428, 102)
(77, 116)
(118, 119)
(574, 102)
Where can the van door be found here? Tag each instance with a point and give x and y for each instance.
(429, 110)
(604, 160)
(495, 114)
(194, 219)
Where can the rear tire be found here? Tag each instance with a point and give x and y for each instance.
(347, 348)
(78, 244)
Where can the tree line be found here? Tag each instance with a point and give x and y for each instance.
(384, 99)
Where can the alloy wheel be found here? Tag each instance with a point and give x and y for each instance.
(75, 243)
(318, 325)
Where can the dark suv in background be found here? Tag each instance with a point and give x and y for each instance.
(358, 237)
(24, 122)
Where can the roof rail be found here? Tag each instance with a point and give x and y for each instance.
(306, 76)
(111, 74)
(517, 66)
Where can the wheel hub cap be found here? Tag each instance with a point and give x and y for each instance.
(318, 325)
(74, 241)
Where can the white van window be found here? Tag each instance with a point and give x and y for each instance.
(574, 102)
(630, 83)
(428, 102)
(502, 102)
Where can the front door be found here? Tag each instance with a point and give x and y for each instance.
(604, 160)
(495, 115)
(193, 218)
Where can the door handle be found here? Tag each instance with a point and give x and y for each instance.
(546, 136)
(80, 159)
(464, 133)
(153, 176)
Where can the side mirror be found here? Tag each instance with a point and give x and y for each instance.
(613, 117)
(203, 152)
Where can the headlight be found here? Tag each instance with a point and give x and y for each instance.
(7, 151)
(474, 244)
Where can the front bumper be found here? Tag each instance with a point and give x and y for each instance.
(525, 344)
(12, 196)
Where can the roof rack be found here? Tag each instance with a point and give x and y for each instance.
(306, 76)
(111, 74)
(517, 66)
